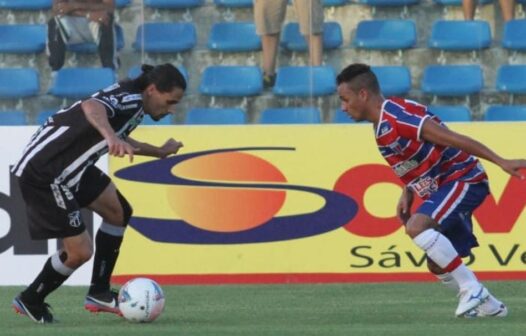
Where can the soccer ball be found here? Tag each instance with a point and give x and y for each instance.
(141, 300)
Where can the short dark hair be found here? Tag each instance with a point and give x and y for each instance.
(164, 76)
(361, 76)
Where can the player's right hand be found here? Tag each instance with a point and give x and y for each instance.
(120, 148)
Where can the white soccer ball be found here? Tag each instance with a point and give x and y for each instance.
(141, 300)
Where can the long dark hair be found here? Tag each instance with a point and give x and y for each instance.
(164, 76)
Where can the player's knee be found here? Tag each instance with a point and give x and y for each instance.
(79, 257)
(413, 228)
(434, 268)
(127, 210)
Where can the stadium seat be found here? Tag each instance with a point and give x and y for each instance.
(12, 118)
(18, 83)
(513, 37)
(28, 5)
(460, 35)
(215, 116)
(510, 79)
(394, 80)
(385, 34)
(173, 4)
(122, 3)
(328, 3)
(341, 117)
(234, 37)
(67, 83)
(22, 38)
(92, 47)
(43, 115)
(231, 81)
(451, 113)
(135, 71)
(292, 39)
(290, 115)
(234, 3)
(452, 80)
(388, 3)
(506, 113)
(147, 120)
(305, 81)
(165, 37)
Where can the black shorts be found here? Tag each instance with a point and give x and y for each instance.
(53, 210)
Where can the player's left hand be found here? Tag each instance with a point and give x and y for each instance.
(171, 146)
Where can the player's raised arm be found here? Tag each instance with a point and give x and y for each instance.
(435, 133)
(96, 115)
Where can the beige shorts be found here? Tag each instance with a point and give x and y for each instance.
(270, 14)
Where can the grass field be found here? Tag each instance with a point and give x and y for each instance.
(330, 309)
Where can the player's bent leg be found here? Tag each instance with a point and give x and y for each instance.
(116, 212)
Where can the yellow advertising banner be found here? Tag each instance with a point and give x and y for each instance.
(296, 203)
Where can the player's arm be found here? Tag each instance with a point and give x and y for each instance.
(96, 115)
(171, 146)
(435, 133)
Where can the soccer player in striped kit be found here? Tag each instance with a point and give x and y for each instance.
(58, 177)
(441, 167)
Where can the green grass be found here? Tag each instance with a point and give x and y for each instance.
(250, 310)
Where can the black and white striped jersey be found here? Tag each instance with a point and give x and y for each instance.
(67, 143)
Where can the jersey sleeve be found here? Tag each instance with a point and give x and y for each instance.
(410, 125)
(118, 102)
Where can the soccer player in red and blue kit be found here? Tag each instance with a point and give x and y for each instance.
(441, 167)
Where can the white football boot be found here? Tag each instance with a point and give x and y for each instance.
(471, 298)
(489, 308)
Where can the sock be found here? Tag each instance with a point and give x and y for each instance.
(439, 249)
(50, 278)
(107, 245)
(448, 280)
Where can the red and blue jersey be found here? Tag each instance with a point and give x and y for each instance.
(421, 165)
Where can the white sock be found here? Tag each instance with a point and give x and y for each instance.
(448, 281)
(439, 249)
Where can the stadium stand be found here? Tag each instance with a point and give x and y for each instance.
(385, 34)
(44, 114)
(122, 3)
(394, 80)
(460, 35)
(513, 37)
(290, 115)
(303, 81)
(165, 37)
(389, 3)
(292, 40)
(454, 113)
(22, 38)
(506, 113)
(173, 4)
(16, 83)
(26, 4)
(66, 84)
(452, 80)
(13, 118)
(231, 81)
(92, 47)
(234, 3)
(511, 79)
(234, 37)
(215, 116)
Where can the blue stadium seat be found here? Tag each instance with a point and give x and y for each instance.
(451, 113)
(43, 115)
(305, 81)
(292, 39)
(341, 117)
(385, 34)
(18, 83)
(394, 80)
(165, 37)
(234, 37)
(12, 118)
(459, 2)
(388, 3)
(147, 120)
(290, 115)
(452, 80)
(67, 83)
(510, 79)
(215, 116)
(173, 4)
(234, 3)
(92, 47)
(513, 37)
(506, 113)
(231, 81)
(135, 71)
(460, 35)
(122, 3)
(25, 4)
(22, 38)
(328, 3)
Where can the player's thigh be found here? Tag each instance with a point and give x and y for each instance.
(109, 206)
(269, 15)
(418, 223)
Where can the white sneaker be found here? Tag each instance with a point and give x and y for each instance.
(471, 298)
(490, 308)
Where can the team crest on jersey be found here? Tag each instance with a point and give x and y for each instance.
(74, 219)
(425, 186)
